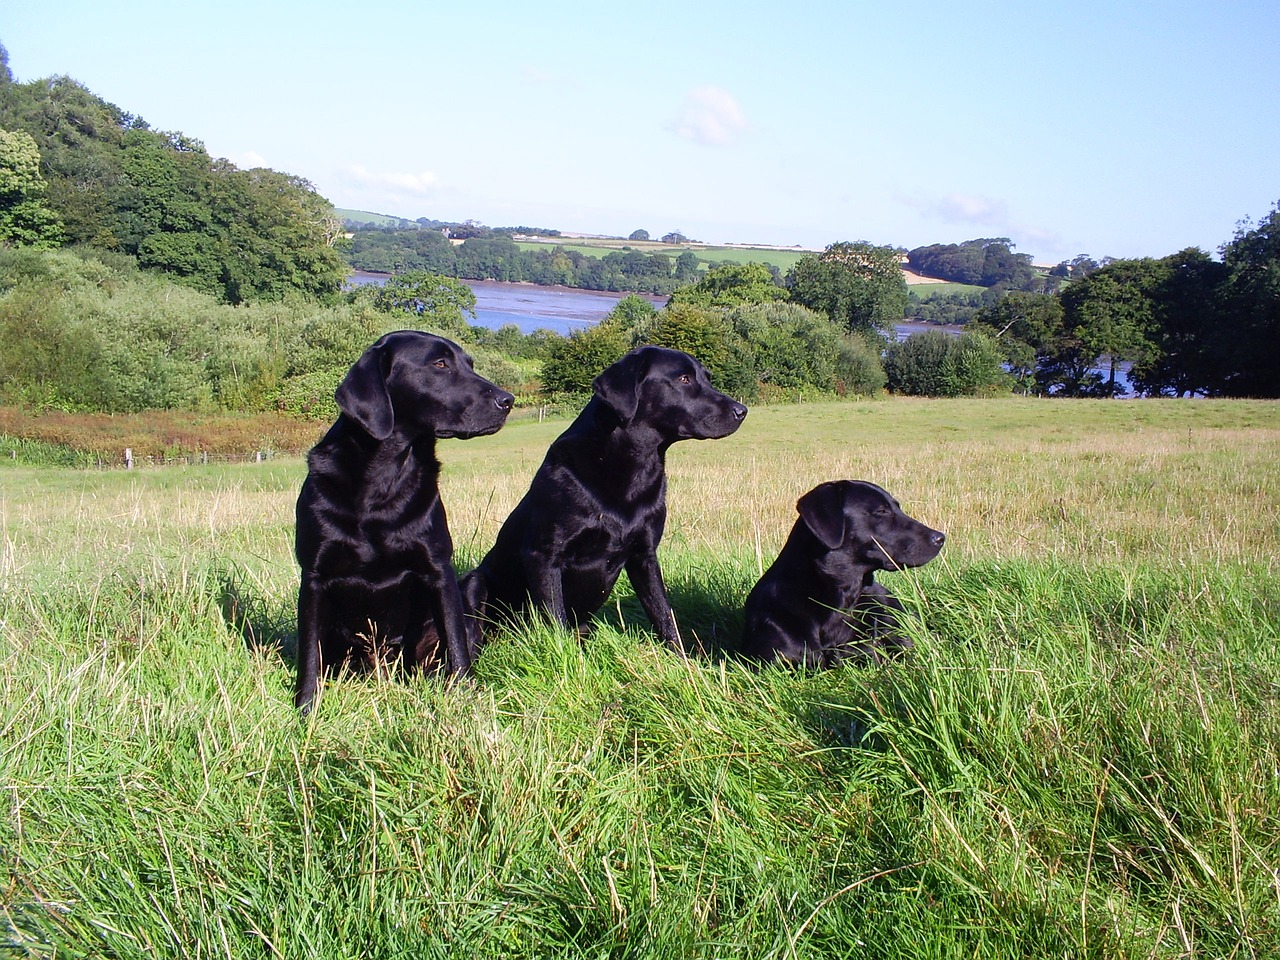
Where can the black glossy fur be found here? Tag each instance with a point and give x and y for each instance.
(598, 503)
(819, 603)
(372, 537)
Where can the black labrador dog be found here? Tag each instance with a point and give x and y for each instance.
(598, 503)
(372, 537)
(818, 604)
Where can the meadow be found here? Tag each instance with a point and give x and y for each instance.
(1080, 757)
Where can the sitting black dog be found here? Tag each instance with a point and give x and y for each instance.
(818, 603)
(372, 537)
(598, 503)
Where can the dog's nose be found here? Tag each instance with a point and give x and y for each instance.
(739, 412)
(504, 401)
(938, 538)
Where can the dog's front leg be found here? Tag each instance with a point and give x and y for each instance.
(451, 622)
(546, 587)
(311, 612)
(646, 580)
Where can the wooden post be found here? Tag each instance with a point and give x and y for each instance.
(128, 458)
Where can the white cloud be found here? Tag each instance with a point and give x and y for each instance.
(249, 160)
(969, 208)
(417, 183)
(711, 117)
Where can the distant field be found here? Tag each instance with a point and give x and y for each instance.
(925, 290)
(782, 259)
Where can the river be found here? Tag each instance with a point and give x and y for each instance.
(566, 309)
(563, 309)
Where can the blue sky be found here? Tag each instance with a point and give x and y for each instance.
(1109, 128)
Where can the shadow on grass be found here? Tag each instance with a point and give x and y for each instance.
(267, 624)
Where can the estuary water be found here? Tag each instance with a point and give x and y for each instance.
(562, 309)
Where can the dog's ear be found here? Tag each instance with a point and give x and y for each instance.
(619, 385)
(362, 395)
(822, 510)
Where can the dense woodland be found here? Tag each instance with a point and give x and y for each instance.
(137, 273)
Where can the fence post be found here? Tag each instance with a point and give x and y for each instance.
(128, 458)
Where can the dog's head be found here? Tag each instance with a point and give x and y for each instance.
(417, 383)
(670, 392)
(864, 520)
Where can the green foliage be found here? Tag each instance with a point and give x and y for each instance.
(578, 359)
(986, 262)
(732, 285)
(857, 285)
(1251, 301)
(115, 184)
(442, 302)
(25, 219)
(935, 364)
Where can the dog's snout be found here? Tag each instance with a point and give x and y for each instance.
(739, 412)
(938, 538)
(504, 401)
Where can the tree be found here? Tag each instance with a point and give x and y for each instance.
(1025, 326)
(858, 285)
(578, 359)
(730, 285)
(25, 219)
(439, 303)
(1190, 343)
(1251, 302)
(936, 364)
(1111, 314)
(640, 236)
(986, 262)
(675, 236)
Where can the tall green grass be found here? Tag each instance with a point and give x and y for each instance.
(1079, 758)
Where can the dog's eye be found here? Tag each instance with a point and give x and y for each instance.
(441, 364)
(685, 378)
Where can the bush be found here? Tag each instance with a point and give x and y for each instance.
(937, 364)
(577, 360)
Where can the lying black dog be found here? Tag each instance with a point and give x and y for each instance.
(819, 603)
(372, 537)
(598, 503)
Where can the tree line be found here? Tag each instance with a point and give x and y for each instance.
(1188, 324)
(494, 255)
(76, 169)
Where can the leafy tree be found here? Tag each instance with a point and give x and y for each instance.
(935, 364)
(441, 303)
(858, 285)
(25, 220)
(675, 236)
(578, 359)
(1190, 339)
(686, 267)
(1025, 326)
(731, 285)
(985, 262)
(1111, 314)
(1251, 302)
(639, 235)
(632, 313)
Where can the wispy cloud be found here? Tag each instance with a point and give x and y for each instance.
(249, 160)
(710, 117)
(969, 208)
(417, 183)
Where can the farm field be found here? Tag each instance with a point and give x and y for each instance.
(782, 258)
(1079, 757)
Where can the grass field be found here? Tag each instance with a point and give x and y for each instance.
(1081, 757)
(782, 259)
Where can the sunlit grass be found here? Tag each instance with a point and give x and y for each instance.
(1079, 758)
